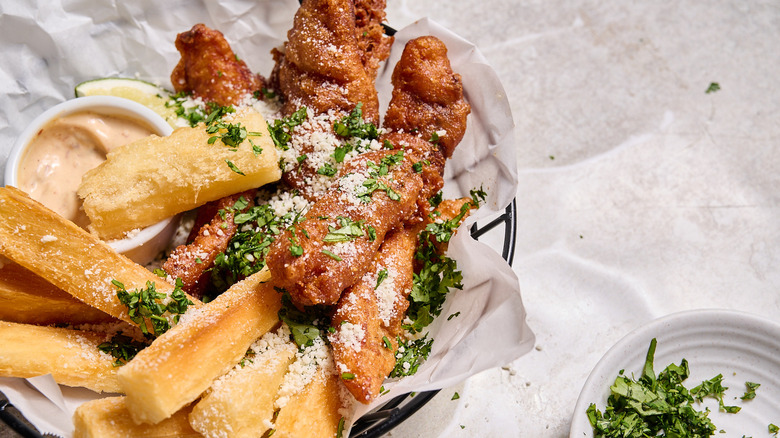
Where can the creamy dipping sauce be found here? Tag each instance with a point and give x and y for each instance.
(58, 156)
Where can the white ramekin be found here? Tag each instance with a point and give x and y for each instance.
(144, 245)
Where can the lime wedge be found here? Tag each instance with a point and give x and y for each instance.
(145, 93)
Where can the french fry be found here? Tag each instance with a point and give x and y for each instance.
(180, 364)
(108, 418)
(241, 403)
(70, 356)
(29, 299)
(316, 411)
(67, 256)
(146, 181)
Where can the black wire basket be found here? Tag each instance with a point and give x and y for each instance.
(379, 421)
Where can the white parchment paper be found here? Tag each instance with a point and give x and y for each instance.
(49, 50)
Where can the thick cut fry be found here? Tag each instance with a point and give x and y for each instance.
(316, 411)
(179, 365)
(67, 256)
(70, 356)
(241, 403)
(29, 299)
(146, 181)
(108, 418)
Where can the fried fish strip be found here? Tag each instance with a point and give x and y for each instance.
(210, 70)
(315, 268)
(321, 66)
(373, 43)
(191, 262)
(374, 308)
(427, 95)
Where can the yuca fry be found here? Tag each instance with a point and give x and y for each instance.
(316, 411)
(67, 256)
(29, 299)
(70, 356)
(241, 403)
(144, 182)
(180, 364)
(108, 418)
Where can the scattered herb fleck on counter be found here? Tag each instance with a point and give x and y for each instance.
(714, 86)
(659, 405)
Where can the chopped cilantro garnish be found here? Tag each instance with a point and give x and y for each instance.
(347, 376)
(652, 405)
(750, 391)
(327, 169)
(234, 168)
(145, 304)
(410, 355)
(354, 126)
(381, 276)
(340, 429)
(281, 129)
(331, 255)
(245, 254)
(122, 348)
(348, 230)
(305, 326)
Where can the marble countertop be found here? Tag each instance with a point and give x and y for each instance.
(640, 194)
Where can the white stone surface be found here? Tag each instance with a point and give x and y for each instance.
(640, 194)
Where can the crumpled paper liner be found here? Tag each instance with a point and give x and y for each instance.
(92, 41)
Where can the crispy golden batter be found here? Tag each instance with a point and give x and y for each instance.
(373, 44)
(431, 162)
(377, 311)
(191, 262)
(29, 299)
(321, 66)
(320, 271)
(427, 95)
(210, 70)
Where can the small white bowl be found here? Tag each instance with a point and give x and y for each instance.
(144, 245)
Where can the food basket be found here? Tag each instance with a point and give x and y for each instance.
(502, 233)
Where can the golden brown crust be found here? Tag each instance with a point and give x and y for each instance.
(427, 95)
(210, 70)
(191, 263)
(322, 65)
(378, 311)
(372, 42)
(315, 277)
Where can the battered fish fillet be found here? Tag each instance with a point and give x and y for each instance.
(322, 255)
(427, 96)
(321, 66)
(191, 263)
(210, 70)
(373, 43)
(369, 315)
